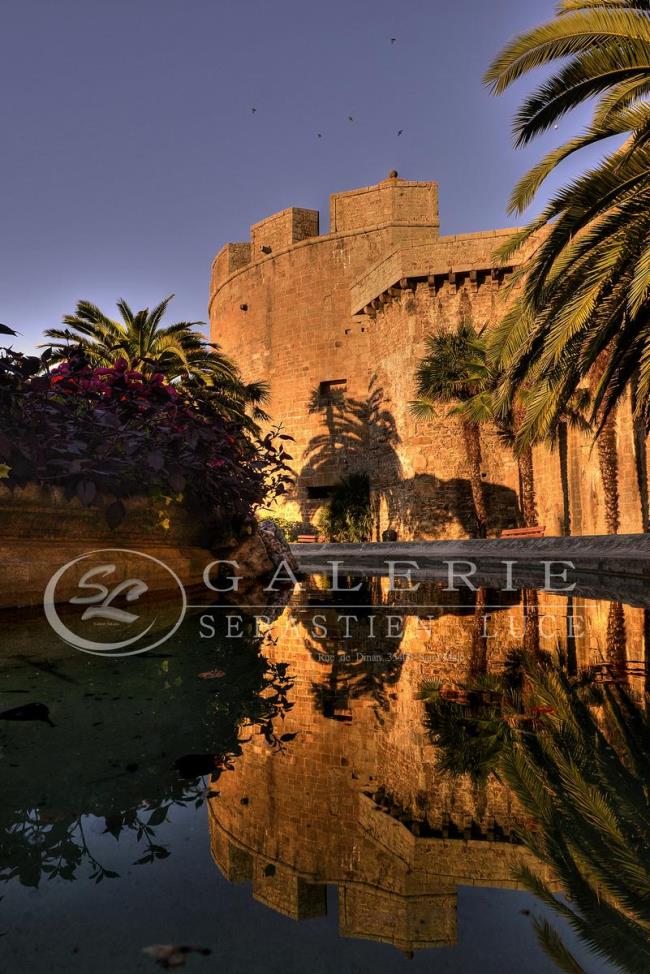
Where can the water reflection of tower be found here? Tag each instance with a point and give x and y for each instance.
(358, 803)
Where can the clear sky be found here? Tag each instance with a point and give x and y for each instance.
(130, 152)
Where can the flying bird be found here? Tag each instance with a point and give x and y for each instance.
(393, 40)
(350, 119)
(401, 132)
(253, 110)
(320, 135)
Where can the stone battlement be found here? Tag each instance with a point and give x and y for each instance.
(399, 203)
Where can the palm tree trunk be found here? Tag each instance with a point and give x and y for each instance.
(527, 493)
(616, 640)
(608, 462)
(478, 663)
(563, 448)
(472, 439)
(607, 454)
(641, 463)
(527, 489)
(530, 598)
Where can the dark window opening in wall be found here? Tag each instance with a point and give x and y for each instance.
(332, 390)
(320, 493)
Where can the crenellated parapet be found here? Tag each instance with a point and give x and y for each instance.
(460, 261)
(395, 202)
(409, 208)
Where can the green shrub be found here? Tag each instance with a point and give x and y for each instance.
(347, 516)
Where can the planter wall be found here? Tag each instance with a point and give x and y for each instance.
(40, 531)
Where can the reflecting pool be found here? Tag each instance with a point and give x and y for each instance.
(267, 791)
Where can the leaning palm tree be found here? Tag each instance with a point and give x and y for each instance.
(586, 286)
(607, 448)
(509, 417)
(177, 351)
(508, 422)
(455, 373)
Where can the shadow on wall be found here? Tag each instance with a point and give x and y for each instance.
(360, 436)
(426, 506)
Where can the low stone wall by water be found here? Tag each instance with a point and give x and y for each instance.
(613, 567)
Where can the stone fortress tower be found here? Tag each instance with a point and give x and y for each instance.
(336, 324)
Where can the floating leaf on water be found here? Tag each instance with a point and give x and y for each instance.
(173, 955)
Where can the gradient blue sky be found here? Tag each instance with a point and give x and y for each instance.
(130, 154)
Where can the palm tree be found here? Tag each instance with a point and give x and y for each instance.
(485, 407)
(178, 351)
(455, 373)
(509, 422)
(586, 287)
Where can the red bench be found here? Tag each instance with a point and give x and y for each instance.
(308, 539)
(537, 531)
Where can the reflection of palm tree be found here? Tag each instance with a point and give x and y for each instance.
(530, 605)
(617, 640)
(577, 758)
(478, 658)
(360, 668)
(583, 779)
(471, 723)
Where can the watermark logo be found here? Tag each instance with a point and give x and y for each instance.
(104, 602)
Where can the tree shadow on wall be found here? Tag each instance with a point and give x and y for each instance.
(361, 436)
(426, 504)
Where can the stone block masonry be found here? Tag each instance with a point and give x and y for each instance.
(336, 324)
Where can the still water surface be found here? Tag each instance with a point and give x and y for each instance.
(277, 800)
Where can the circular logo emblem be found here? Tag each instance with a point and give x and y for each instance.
(115, 602)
